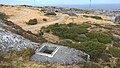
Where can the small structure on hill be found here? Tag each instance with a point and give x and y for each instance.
(48, 51)
(53, 53)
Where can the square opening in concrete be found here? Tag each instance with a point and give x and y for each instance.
(47, 50)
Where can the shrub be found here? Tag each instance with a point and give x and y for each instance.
(50, 13)
(118, 64)
(2, 57)
(44, 19)
(3, 15)
(114, 51)
(101, 37)
(95, 17)
(116, 44)
(88, 65)
(25, 54)
(32, 22)
(105, 57)
(68, 31)
(84, 25)
(71, 24)
(94, 49)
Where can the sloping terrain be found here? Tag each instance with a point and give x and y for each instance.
(9, 39)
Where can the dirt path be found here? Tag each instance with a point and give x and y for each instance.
(36, 28)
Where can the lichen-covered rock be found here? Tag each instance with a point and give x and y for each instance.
(10, 40)
(116, 37)
(117, 19)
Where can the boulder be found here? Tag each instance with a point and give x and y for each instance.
(117, 19)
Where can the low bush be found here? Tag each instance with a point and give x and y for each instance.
(114, 51)
(50, 13)
(68, 31)
(105, 57)
(2, 57)
(117, 64)
(3, 16)
(101, 37)
(44, 19)
(32, 22)
(95, 17)
(88, 65)
(25, 54)
(94, 49)
(116, 44)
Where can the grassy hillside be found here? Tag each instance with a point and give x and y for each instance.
(96, 40)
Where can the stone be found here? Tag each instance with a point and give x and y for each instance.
(116, 37)
(117, 19)
(14, 41)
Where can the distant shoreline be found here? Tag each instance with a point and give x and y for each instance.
(110, 13)
(81, 6)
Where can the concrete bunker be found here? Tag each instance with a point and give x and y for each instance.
(59, 54)
(49, 51)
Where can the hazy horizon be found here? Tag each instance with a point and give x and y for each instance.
(58, 2)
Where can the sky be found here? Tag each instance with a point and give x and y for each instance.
(58, 2)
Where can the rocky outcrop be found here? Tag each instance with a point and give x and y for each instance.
(10, 40)
(13, 41)
(117, 19)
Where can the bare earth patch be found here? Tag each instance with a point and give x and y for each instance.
(19, 15)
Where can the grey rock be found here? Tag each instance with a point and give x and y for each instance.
(71, 14)
(14, 41)
(116, 37)
(117, 19)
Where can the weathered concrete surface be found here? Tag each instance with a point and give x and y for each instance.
(63, 56)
